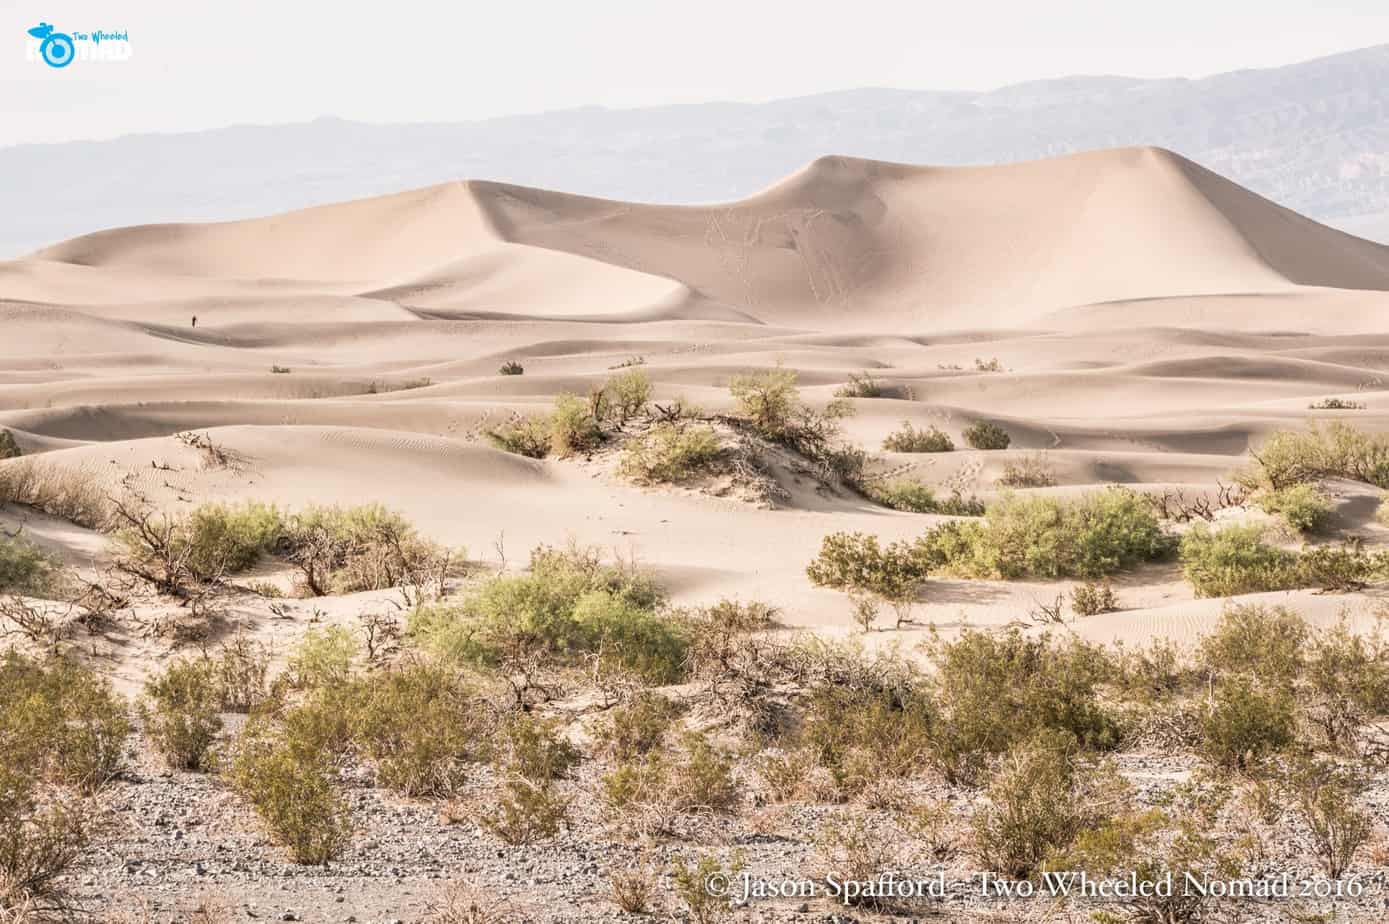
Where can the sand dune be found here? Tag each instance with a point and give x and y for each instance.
(1150, 320)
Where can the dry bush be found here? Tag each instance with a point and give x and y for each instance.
(9, 449)
(511, 367)
(42, 835)
(628, 393)
(918, 498)
(242, 668)
(653, 791)
(524, 436)
(467, 903)
(1326, 798)
(576, 425)
(633, 888)
(852, 848)
(350, 549)
(910, 439)
(75, 495)
(637, 726)
(1336, 404)
(530, 759)
(1031, 471)
(1339, 450)
(770, 404)
(691, 885)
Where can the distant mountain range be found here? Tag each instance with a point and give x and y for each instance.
(1312, 136)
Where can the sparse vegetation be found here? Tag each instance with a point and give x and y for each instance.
(1302, 506)
(771, 405)
(856, 562)
(1338, 450)
(860, 386)
(511, 367)
(1235, 560)
(915, 497)
(672, 452)
(1031, 471)
(1336, 404)
(25, 568)
(9, 449)
(910, 439)
(524, 436)
(280, 370)
(181, 717)
(1092, 599)
(985, 435)
(988, 365)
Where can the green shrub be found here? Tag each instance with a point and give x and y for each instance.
(985, 435)
(993, 691)
(1030, 471)
(242, 668)
(530, 758)
(860, 386)
(25, 568)
(1235, 560)
(1093, 599)
(350, 549)
(1038, 536)
(232, 538)
(60, 723)
(289, 781)
(637, 726)
(691, 884)
(181, 718)
(323, 658)
(915, 497)
(524, 436)
(1348, 567)
(769, 400)
(42, 836)
(1290, 457)
(656, 789)
(771, 405)
(1301, 506)
(857, 563)
(511, 367)
(671, 452)
(865, 735)
(1346, 677)
(1038, 802)
(574, 429)
(421, 727)
(1326, 797)
(569, 605)
(628, 392)
(1266, 643)
(910, 439)
(9, 449)
(1241, 724)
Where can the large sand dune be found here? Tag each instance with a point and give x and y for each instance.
(1154, 319)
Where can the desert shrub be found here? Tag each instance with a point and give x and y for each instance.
(323, 658)
(289, 780)
(60, 722)
(1266, 643)
(1336, 404)
(1039, 801)
(574, 428)
(524, 436)
(771, 405)
(280, 370)
(349, 549)
(856, 562)
(9, 449)
(1093, 599)
(985, 435)
(633, 888)
(915, 497)
(1243, 722)
(860, 386)
(530, 758)
(865, 735)
(511, 367)
(995, 690)
(691, 885)
(1290, 457)
(1030, 471)
(1346, 684)
(420, 726)
(222, 538)
(1301, 506)
(1348, 567)
(910, 439)
(1147, 676)
(181, 713)
(989, 365)
(42, 835)
(1326, 797)
(853, 848)
(628, 392)
(1235, 560)
(25, 568)
(637, 726)
(1037, 536)
(568, 606)
(655, 789)
(242, 668)
(69, 494)
(671, 452)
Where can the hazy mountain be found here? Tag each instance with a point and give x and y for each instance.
(1313, 136)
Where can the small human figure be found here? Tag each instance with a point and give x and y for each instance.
(195, 320)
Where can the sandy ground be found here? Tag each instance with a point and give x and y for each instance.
(1154, 321)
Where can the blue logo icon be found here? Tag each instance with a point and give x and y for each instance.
(57, 49)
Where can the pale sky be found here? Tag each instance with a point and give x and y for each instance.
(199, 65)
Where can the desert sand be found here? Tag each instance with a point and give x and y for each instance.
(1153, 321)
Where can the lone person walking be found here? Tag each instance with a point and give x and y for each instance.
(195, 320)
